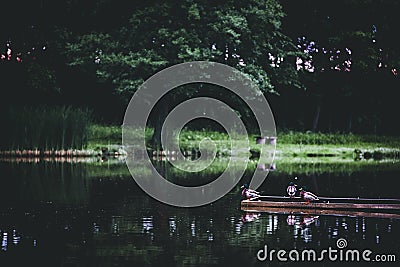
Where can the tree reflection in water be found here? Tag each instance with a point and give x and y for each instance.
(74, 213)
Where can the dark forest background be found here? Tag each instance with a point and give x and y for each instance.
(326, 66)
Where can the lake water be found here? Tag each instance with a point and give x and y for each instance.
(94, 214)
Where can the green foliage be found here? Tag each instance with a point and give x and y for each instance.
(99, 48)
(102, 135)
(46, 128)
(105, 134)
(311, 138)
(157, 35)
(344, 167)
(296, 137)
(188, 135)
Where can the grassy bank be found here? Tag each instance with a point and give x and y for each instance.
(68, 128)
(289, 144)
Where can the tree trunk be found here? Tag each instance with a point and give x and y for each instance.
(159, 116)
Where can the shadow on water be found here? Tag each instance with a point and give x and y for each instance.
(79, 214)
(30, 183)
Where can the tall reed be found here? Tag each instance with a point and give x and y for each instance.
(45, 128)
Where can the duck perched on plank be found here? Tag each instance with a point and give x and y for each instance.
(249, 193)
(307, 196)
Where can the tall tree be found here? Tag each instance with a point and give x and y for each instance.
(157, 34)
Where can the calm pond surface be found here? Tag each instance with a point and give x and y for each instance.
(94, 214)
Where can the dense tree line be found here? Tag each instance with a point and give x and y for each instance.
(323, 66)
(352, 57)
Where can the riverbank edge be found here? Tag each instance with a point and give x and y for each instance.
(105, 141)
(358, 151)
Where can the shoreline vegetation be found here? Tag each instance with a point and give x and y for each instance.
(289, 144)
(105, 141)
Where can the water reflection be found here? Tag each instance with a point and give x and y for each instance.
(185, 237)
(187, 233)
(85, 214)
(301, 220)
(11, 238)
(250, 216)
